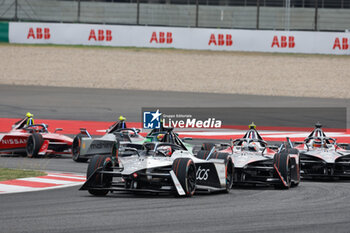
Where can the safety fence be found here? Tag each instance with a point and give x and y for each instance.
(315, 15)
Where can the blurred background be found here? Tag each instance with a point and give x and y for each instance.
(307, 15)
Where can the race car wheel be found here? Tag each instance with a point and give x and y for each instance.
(76, 149)
(283, 170)
(100, 180)
(229, 168)
(34, 143)
(202, 154)
(229, 173)
(291, 151)
(296, 182)
(293, 184)
(185, 171)
(208, 146)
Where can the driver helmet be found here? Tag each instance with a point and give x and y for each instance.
(29, 115)
(253, 146)
(166, 150)
(316, 143)
(121, 118)
(160, 137)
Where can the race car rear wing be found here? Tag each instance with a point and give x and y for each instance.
(58, 129)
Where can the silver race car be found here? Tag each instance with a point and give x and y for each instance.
(258, 163)
(85, 146)
(321, 156)
(160, 167)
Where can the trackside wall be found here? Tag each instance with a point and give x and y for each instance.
(181, 38)
(4, 32)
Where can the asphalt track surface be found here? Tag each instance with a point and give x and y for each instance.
(321, 206)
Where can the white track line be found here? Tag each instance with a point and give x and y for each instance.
(77, 179)
(49, 181)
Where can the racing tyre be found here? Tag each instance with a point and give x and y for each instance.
(34, 143)
(229, 174)
(208, 146)
(202, 154)
(283, 170)
(76, 149)
(185, 171)
(291, 151)
(294, 184)
(100, 180)
(229, 168)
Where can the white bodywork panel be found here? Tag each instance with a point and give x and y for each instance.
(177, 184)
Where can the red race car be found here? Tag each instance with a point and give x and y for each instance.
(34, 140)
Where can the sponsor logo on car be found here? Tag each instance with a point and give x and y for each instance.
(100, 145)
(13, 141)
(202, 174)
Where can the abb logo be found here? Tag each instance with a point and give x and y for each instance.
(39, 33)
(100, 35)
(344, 45)
(221, 40)
(161, 39)
(284, 42)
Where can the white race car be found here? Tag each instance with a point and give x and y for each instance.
(258, 163)
(159, 167)
(321, 156)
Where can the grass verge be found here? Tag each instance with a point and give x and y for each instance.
(11, 174)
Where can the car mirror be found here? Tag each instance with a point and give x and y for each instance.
(58, 129)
